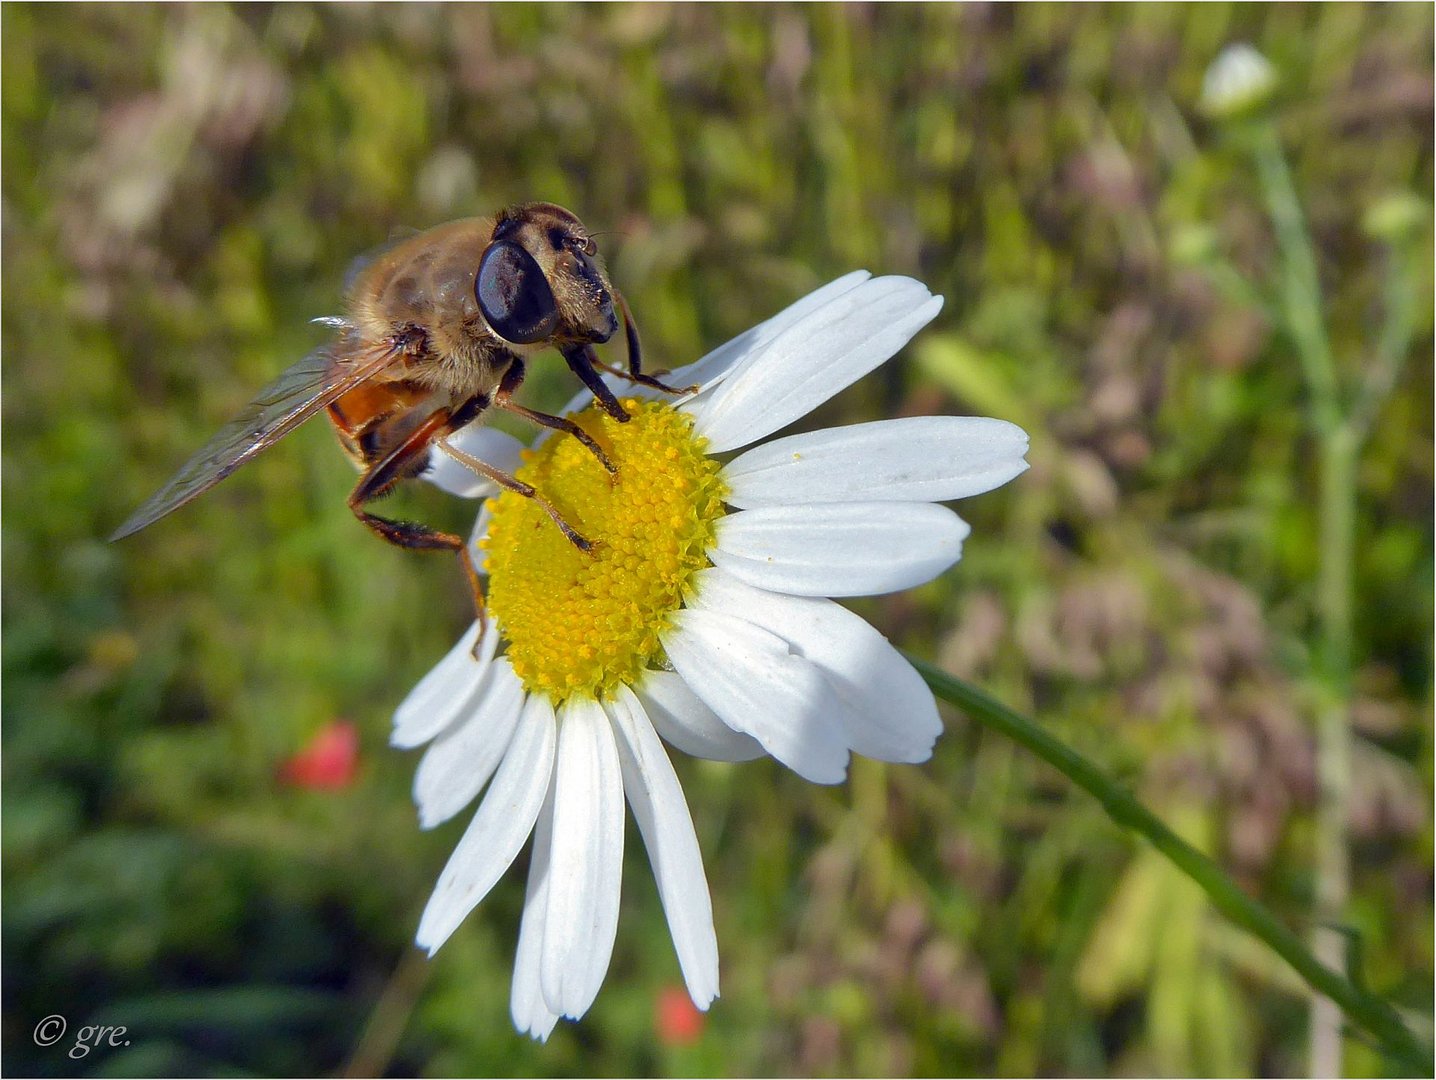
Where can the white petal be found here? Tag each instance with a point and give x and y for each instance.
(460, 761)
(497, 448)
(811, 360)
(734, 354)
(479, 531)
(500, 826)
(585, 868)
(681, 717)
(443, 694)
(714, 367)
(667, 830)
(892, 715)
(917, 459)
(839, 549)
(751, 679)
(526, 1004)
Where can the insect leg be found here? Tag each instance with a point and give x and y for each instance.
(635, 357)
(476, 588)
(647, 380)
(503, 398)
(381, 477)
(581, 359)
(509, 483)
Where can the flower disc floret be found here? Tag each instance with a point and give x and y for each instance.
(580, 623)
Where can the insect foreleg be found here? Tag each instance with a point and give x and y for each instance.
(580, 360)
(635, 357)
(648, 380)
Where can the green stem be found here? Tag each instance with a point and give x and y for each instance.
(1337, 532)
(1338, 440)
(1236, 288)
(1364, 1009)
(1394, 342)
(1300, 281)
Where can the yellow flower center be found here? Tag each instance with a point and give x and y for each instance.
(579, 623)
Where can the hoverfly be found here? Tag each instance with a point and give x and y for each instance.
(438, 329)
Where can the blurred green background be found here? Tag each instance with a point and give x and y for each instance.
(184, 188)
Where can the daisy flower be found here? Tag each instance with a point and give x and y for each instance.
(701, 619)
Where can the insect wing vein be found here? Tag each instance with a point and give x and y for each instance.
(296, 395)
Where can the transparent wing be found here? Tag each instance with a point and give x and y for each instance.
(299, 393)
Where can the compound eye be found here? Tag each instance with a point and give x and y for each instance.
(513, 294)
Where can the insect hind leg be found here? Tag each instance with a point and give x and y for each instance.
(379, 479)
(409, 534)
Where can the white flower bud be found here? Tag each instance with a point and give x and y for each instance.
(1240, 80)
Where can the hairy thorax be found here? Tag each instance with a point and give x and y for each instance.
(421, 291)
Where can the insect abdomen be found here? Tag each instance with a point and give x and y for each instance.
(372, 420)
